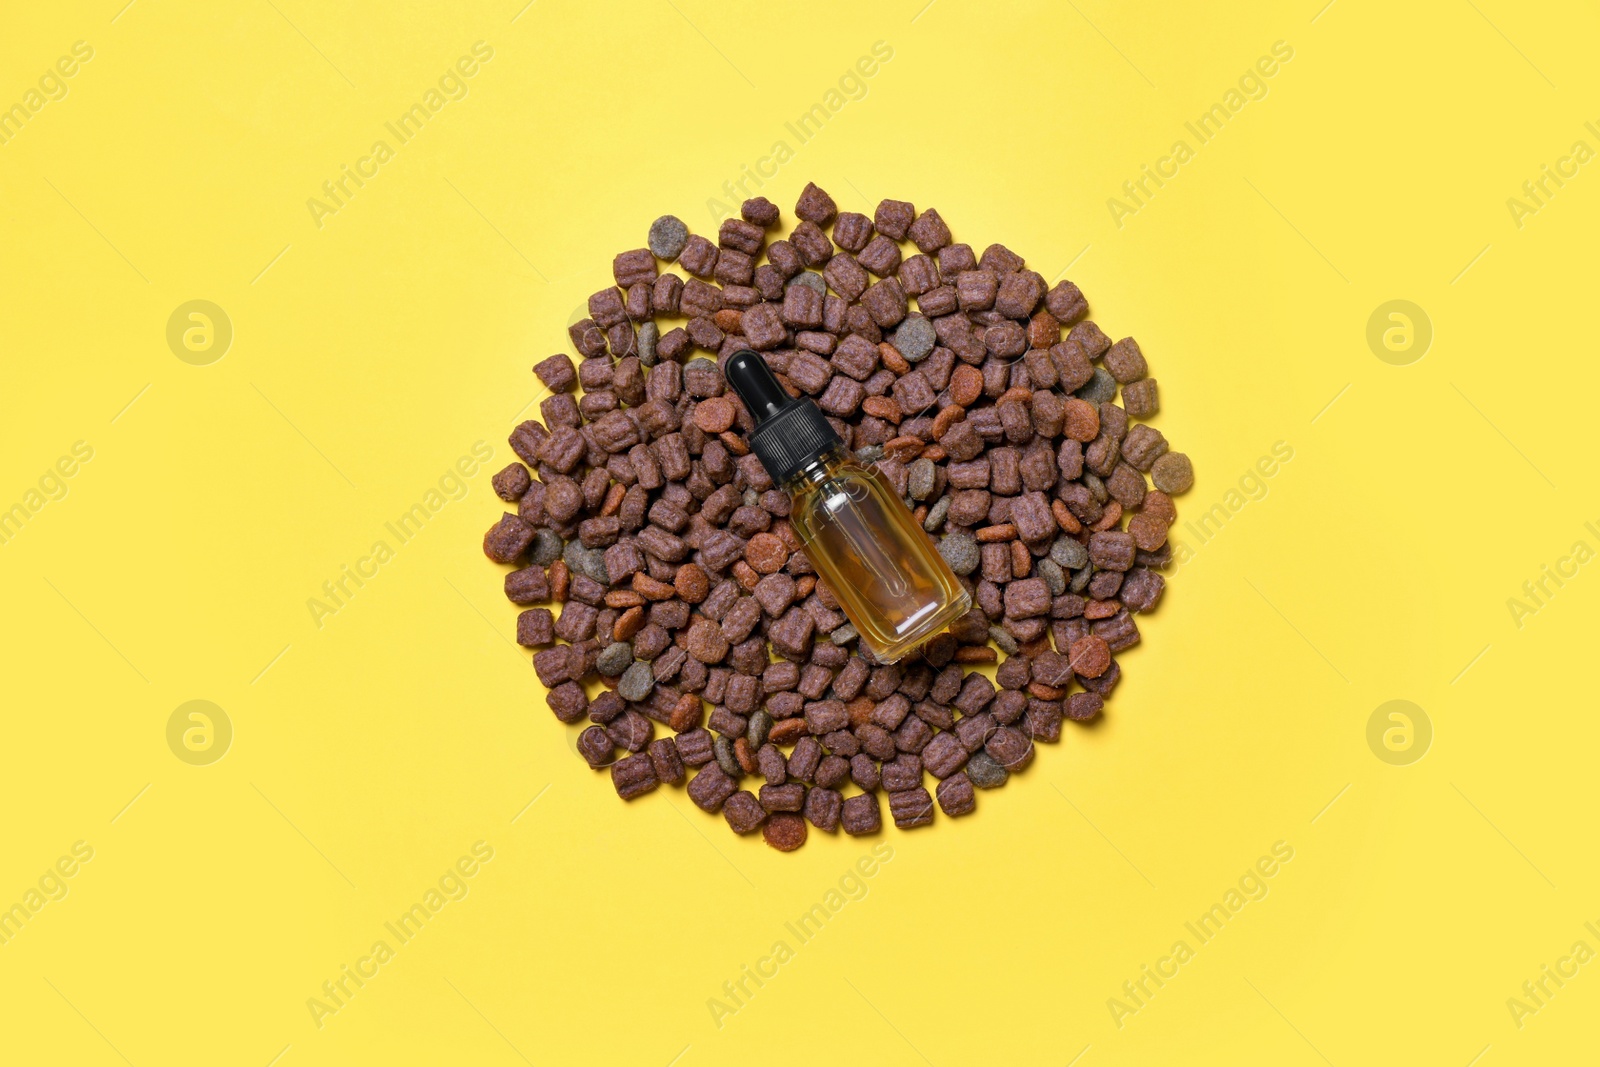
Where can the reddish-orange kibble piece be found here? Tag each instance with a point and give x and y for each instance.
(784, 831)
(766, 553)
(1089, 656)
(966, 385)
(714, 414)
(881, 407)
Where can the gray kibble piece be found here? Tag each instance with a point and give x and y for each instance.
(961, 552)
(668, 235)
(617, 658)
(722, 749)
(752, 499)
(1173, 473)
(1003, 640)
(843, 635)
(914, 338)
(649, 334)
(811, 279)
(586, 561)
(1068, 553)
(1053, 576)
(920, 479)
(636, 682)
(547, 547)
(1095, 486)
(760, 726)
(1080, 579)
(985, 771)
(937, 513)
(870, 454)
(1100, 389)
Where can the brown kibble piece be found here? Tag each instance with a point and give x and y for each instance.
(664, 758)
(596, 748)
(894, 218)
(1125, 361)
(788, 797)
(759, 210)
(956, 795)
(507, 539)
(929, 232)
(861, 815)
(911, 808)
(634, 776)
(823, 807)
(743, 812)
(710, 787)
(815, 205)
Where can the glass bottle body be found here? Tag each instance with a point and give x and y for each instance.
(882, 566)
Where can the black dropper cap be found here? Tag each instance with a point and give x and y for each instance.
(790, 433)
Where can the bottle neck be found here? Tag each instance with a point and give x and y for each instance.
(817, 470)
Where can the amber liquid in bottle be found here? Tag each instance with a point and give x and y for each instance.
(889, 578)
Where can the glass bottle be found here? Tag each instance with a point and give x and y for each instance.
(890, 580)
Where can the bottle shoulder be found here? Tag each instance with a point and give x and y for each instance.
(850, 479)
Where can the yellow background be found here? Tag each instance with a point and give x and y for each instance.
(370, 753)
